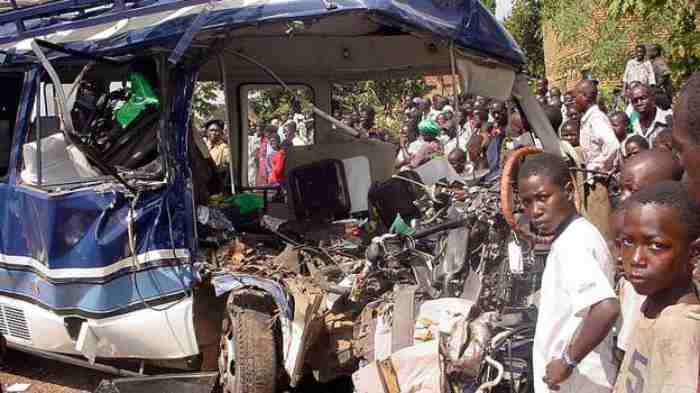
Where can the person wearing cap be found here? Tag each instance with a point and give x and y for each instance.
(422, 149)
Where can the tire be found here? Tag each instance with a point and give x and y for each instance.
(252, 368)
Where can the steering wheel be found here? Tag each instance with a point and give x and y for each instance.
(507, 200)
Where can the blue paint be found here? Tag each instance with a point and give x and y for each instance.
(469, 24)
(88, 229)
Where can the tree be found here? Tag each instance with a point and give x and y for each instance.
(207, 102)
(604, 42)
(525, 24)
(680, 21)
(490, 5)
(386, 96)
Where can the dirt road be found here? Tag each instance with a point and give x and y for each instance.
(47, 376)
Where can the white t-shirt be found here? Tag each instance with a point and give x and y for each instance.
(630, 313)
(579, 273)
(412, 149)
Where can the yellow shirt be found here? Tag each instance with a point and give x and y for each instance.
(664, 353)
(221, 155)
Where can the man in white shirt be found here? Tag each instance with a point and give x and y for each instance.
(651, 119)
(572, 350)
(599, 147)
(638, 69)
(291, 136)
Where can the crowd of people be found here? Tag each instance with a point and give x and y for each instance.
(618, 306)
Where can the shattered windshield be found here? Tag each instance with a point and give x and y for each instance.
(114, 112)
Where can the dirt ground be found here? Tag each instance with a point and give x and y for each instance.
(47, 376)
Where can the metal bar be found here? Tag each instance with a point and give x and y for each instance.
(185, 40)
(314, 109)
(55, 7)
(65, 115)
(77, 53)
(243, 138)
(38, 132)
(98, 20)
(74, 361)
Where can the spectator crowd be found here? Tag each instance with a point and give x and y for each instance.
(618, 306)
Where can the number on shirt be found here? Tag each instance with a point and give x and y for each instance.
(637, 360)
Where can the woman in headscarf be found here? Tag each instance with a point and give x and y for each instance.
(422, 149)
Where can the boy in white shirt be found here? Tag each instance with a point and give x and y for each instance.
(573, 346)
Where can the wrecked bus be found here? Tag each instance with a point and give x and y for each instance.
(101, 255)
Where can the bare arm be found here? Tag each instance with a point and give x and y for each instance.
(595, 327)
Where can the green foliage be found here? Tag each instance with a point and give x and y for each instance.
(525, 24)
(679, 18)
(610, 37)
(385, 96)
(207, 102)
(274, 101)
(490, 5)
(627, 21)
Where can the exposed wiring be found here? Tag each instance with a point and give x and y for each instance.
(130, 217)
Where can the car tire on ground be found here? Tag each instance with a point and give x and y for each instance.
(248, 360)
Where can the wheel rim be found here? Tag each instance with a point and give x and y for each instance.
(227, 358)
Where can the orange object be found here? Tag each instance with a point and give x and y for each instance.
(507, 193)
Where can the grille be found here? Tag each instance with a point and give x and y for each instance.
(13, 323)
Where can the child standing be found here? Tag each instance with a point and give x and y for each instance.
(639, 172)
(572, 351)
(659, 240)
(634, 145)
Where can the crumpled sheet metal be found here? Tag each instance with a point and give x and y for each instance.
(180, 383)
(229, 282)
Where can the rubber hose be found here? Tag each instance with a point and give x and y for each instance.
(507, 203)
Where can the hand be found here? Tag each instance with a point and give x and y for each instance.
(403, 140)
(557, 372)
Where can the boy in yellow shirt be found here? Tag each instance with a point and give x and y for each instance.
(658, 242)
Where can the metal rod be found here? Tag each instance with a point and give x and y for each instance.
(243, 138)
(79, 54)
(74, 361)
(453, 65)
(38, 133)
(314, 109)
(66, 116)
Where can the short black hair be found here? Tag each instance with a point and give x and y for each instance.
(270, 130)
(546, 164)
(641, 46)
(671, 194)
(574, 122)
(368, 109)
(639, 140)
(620, 114)
(689, 101)
(553, 115)
(217, 122)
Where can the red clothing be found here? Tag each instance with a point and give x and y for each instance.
(277, 175)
